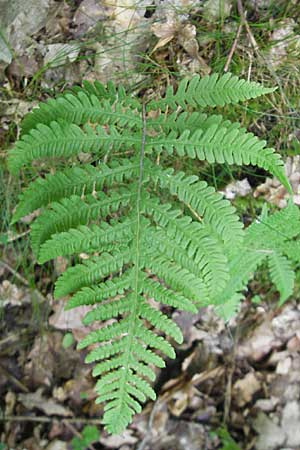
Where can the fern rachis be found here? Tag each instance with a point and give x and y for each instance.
(150, 233)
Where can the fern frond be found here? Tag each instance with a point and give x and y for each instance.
(206, 260)
(291, 249)
(282, 275)
(222, 144)
(149, 338)
(179, 279)
(202, 249)
(211, 90)
(272, 232)
(98, 293)
(204, 201)
(74, 181)
(85, 239)
(61, 139)
(153, 236)
(109, 310)
(104, 352)
(90, 271)
(84, 105)
(105, 334)
(74, 211)
(160, 321)
(165, 296)
(241, 268)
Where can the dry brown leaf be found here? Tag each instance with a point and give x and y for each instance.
(245, 388)
(117, 441)
(260, 343)
(48, 360)
(49, 406)
(10, 294)
(165, 32)
(67, 320)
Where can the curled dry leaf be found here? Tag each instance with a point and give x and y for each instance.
(185, 35)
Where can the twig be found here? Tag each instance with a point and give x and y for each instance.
(233, 47)
(45, 419)
(148, 434)
(246, 25)
(16, 274)
(14, 380)
(17, 236)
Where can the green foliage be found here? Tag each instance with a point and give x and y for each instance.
(152, 235)
(227, 441)
(68, 340)
(90, 434)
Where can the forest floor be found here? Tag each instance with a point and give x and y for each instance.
(233, 386)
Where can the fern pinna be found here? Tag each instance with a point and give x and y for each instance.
(153, 235)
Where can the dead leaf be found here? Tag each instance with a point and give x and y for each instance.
(49, 361)
(116, 441)
(48, 406)
(70, 319)
(274, 192)
(10, 294)
(260, 343)
(88, 14)
(57, 445)
(165, 32)
(245, 388)
(239, 188)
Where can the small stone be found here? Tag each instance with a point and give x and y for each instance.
(290, 423)
(284, 366)
(267, 404)
(271, 436)
(293, 344)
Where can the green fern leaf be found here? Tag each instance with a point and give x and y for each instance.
(85, 239)
(222, 144)
(94, 294)
(204, 202)
(282, 275)
(94, 103)
(61, 139)
(211, 90)
(75, 181)
(91, 271)
(74, 211)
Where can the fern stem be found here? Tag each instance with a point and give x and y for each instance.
(137, 239)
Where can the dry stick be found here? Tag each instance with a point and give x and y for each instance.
(14, 380)
(148, 434)
(16, 274)
(228, 392)
(45, 419)
(233, 47)
(246, 24)
(15, 237)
